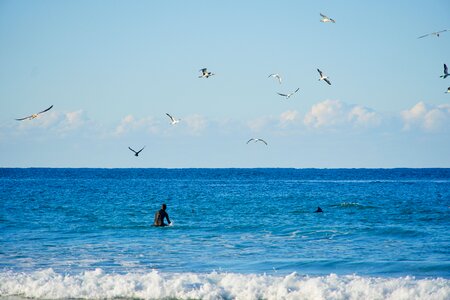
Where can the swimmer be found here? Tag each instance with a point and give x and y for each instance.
(160, 215)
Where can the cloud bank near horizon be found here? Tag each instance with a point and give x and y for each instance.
(327, 116)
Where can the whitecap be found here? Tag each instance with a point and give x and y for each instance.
(96, 284)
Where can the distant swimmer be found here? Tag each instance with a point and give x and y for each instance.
(160, 215)
(319, 210)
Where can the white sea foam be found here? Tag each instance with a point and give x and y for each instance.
(47, 284)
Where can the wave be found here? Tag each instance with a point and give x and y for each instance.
(96, 284)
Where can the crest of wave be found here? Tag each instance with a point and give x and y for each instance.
(96, 284)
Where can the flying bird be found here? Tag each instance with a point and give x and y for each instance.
(257, 140)
(448, 90)
(445, 72)
(136, 153)
(288, 95)
(437, 33)
(173, 121)
(324, 77)
(205, 73)
(277, 76)
(326, 19)
(33, 116)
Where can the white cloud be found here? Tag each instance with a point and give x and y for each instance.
(289, 117)
(196, 124)
(130, 123)
(363, 116)
(73, 120)
(426, 117)
(258, 124)
(335, 113)
(324, 114)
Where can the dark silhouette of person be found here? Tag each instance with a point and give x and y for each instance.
(318, 210)
(160, 215)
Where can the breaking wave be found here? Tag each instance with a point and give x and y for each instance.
(96, 284)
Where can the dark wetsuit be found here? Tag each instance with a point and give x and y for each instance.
(159, 218)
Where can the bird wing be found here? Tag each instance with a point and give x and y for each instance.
(204, 71)
(169, 116)
(327, 81)
(252, 139)
(21, 119)
(323, 16)
(45, 110)
(284, 95)
(296, 91)
(422, 36)
(320, 72)
(261, 140)
(332, 20)
(442, 31)
(131, 149)
(140, 150)
(445, 69)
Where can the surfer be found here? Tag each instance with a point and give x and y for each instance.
(160, 215)
(318, 210)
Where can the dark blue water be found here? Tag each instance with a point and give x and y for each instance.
(387, 223)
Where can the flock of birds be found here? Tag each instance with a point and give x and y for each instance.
(206, 74)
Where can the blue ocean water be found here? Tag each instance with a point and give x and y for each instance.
(236, 233)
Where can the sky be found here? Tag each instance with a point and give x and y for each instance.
(113, 69)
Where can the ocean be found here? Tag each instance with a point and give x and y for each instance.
(235, 234)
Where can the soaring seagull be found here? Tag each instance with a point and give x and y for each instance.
(136, 153)
(205, 73)
(173, 121)
(257, 140)
(326, 19)
(445, 72)
(437, 33)
(33, 116)
(288, 95)
(277, 76)
(324, 77)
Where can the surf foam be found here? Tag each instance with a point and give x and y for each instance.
(47, 284)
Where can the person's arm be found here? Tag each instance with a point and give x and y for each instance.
(167, 217)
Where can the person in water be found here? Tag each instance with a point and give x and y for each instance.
(160, 215)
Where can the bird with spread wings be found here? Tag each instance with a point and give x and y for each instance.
(33, 116)
(136, 153)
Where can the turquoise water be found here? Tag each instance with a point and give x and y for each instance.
(382, 230)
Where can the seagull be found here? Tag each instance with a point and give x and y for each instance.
(288, 95)
(445, 72)
(277, 76)
(205, 73)
(326, 19)
(324, 77)
(257, 140)
(173, 121)
(136, 153)
(33, 116)
(433, 33)
(448, 90)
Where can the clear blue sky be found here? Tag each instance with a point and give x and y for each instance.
(112, 69)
